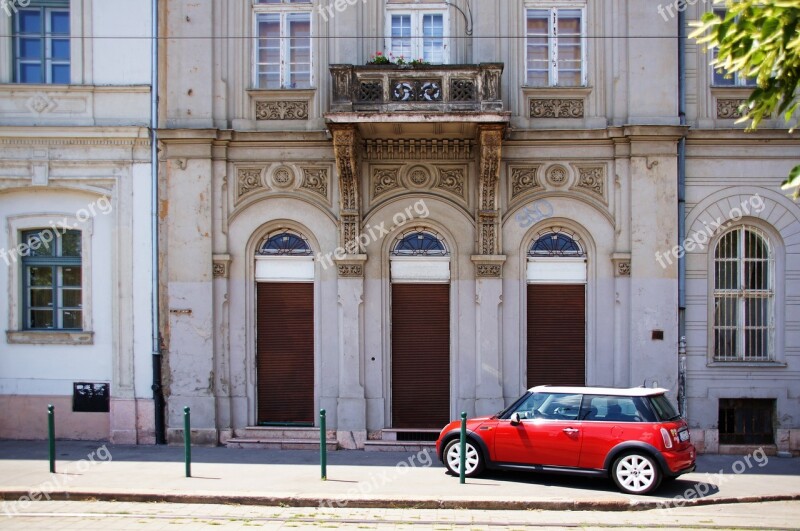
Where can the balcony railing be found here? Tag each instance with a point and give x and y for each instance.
(426, 88)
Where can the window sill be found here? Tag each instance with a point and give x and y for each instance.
(33, 337)
(749, 364)
(281, 93)
(563, 92)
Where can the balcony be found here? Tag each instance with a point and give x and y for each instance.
(465, 90)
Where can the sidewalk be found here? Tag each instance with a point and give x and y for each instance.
(356, 479)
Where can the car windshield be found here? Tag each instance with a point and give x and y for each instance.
(663, 408)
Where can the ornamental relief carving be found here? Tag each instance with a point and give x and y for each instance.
(489, 270)
(524, 179)
(384, 180)
(248, 180)
(556, 108)
(728, 108)
(398, 179)
(350, 270)
(315, 180)
(281, 110)
(453, 181)
(557, 175)
(591, 180)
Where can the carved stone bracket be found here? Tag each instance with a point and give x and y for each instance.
(221, 267)
(622, 264)
(488, 266)
(488, 217)
(351, 266)
(346, 146)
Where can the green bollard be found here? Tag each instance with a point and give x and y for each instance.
(323, 446)
(462, 456)
(187, 441)
(51, 435)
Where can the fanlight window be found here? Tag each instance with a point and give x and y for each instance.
(743, 296)
(556, 244)
(285, 243)
(420, 243)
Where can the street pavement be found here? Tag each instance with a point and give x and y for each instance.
(356, 479)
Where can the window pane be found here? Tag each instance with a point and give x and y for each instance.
(59, 22)
(433, 38)
(299, 50)
(30, 73)
(401, 36)
(71, 298)
(41, 298)
(59, 49)
(36, 245)
(40, 276)
(569, 22)
(60, 74)
(71, 243)
(538, 21)
(30, 48)
(29, 21)
(41, 319)
(71, 276)
(71, 319)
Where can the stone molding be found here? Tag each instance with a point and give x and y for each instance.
(488, 266)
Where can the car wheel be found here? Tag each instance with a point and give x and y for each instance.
(636, 473)
(452, 458)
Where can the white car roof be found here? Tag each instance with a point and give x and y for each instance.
(613, 391)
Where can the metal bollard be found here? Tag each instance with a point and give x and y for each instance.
(187, 440)
(462, 473)
(51, 435)
(323, 447)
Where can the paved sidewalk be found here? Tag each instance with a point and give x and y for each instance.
(356, 479)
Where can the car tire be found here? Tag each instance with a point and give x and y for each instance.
(474, 461)
(636, 473)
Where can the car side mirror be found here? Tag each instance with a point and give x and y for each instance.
(515, 420)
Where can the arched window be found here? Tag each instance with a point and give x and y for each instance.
(284, 243)
(554, 243)
(420, 242)
(743, 296)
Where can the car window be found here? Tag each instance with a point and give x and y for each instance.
(616, 409)
(560, 406)
(663, 408)
(530, 405)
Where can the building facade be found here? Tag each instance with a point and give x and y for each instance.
(75, 214)
(398, 210)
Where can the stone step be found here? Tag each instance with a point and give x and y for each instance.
(279, 444)
(394, 434)
(399, 446)
(282, 432)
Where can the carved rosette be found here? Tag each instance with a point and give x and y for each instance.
(524, 179)
(315, 180)
(557, 175)
(491, 141)
(556, 108)
(282, 110)
(728, 108)
(592, 181)
(248, 180)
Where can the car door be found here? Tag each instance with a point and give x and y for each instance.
(548, 434)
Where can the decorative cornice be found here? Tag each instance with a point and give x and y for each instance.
(418, 149)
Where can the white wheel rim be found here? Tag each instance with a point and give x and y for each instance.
(454, 459)
(636, 473)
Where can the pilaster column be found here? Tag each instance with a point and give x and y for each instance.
(489, 274)
(351, 411)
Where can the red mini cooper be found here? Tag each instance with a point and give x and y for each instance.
(633, 435)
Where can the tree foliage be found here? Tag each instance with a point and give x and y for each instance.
(759, 39)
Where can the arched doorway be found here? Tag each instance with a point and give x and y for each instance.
(420, 378)
(285, 330)
(556, 277)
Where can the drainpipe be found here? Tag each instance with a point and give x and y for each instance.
(682, 213)
(158, 397)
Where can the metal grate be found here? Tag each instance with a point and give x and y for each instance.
(743, 296)
(417, 436)
(746, 421)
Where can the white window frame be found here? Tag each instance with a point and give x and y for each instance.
(742, 295)
(283, 10)
(552, 41)
(417, 13)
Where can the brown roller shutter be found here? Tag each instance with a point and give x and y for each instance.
(420, 355)
(285, 353)
(556, 334)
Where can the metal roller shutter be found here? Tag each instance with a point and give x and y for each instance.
(285, 353)
(556, 334)
(420, 355)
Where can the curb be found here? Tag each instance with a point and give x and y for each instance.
(389, 503)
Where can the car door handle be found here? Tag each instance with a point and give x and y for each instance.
(570, 431)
